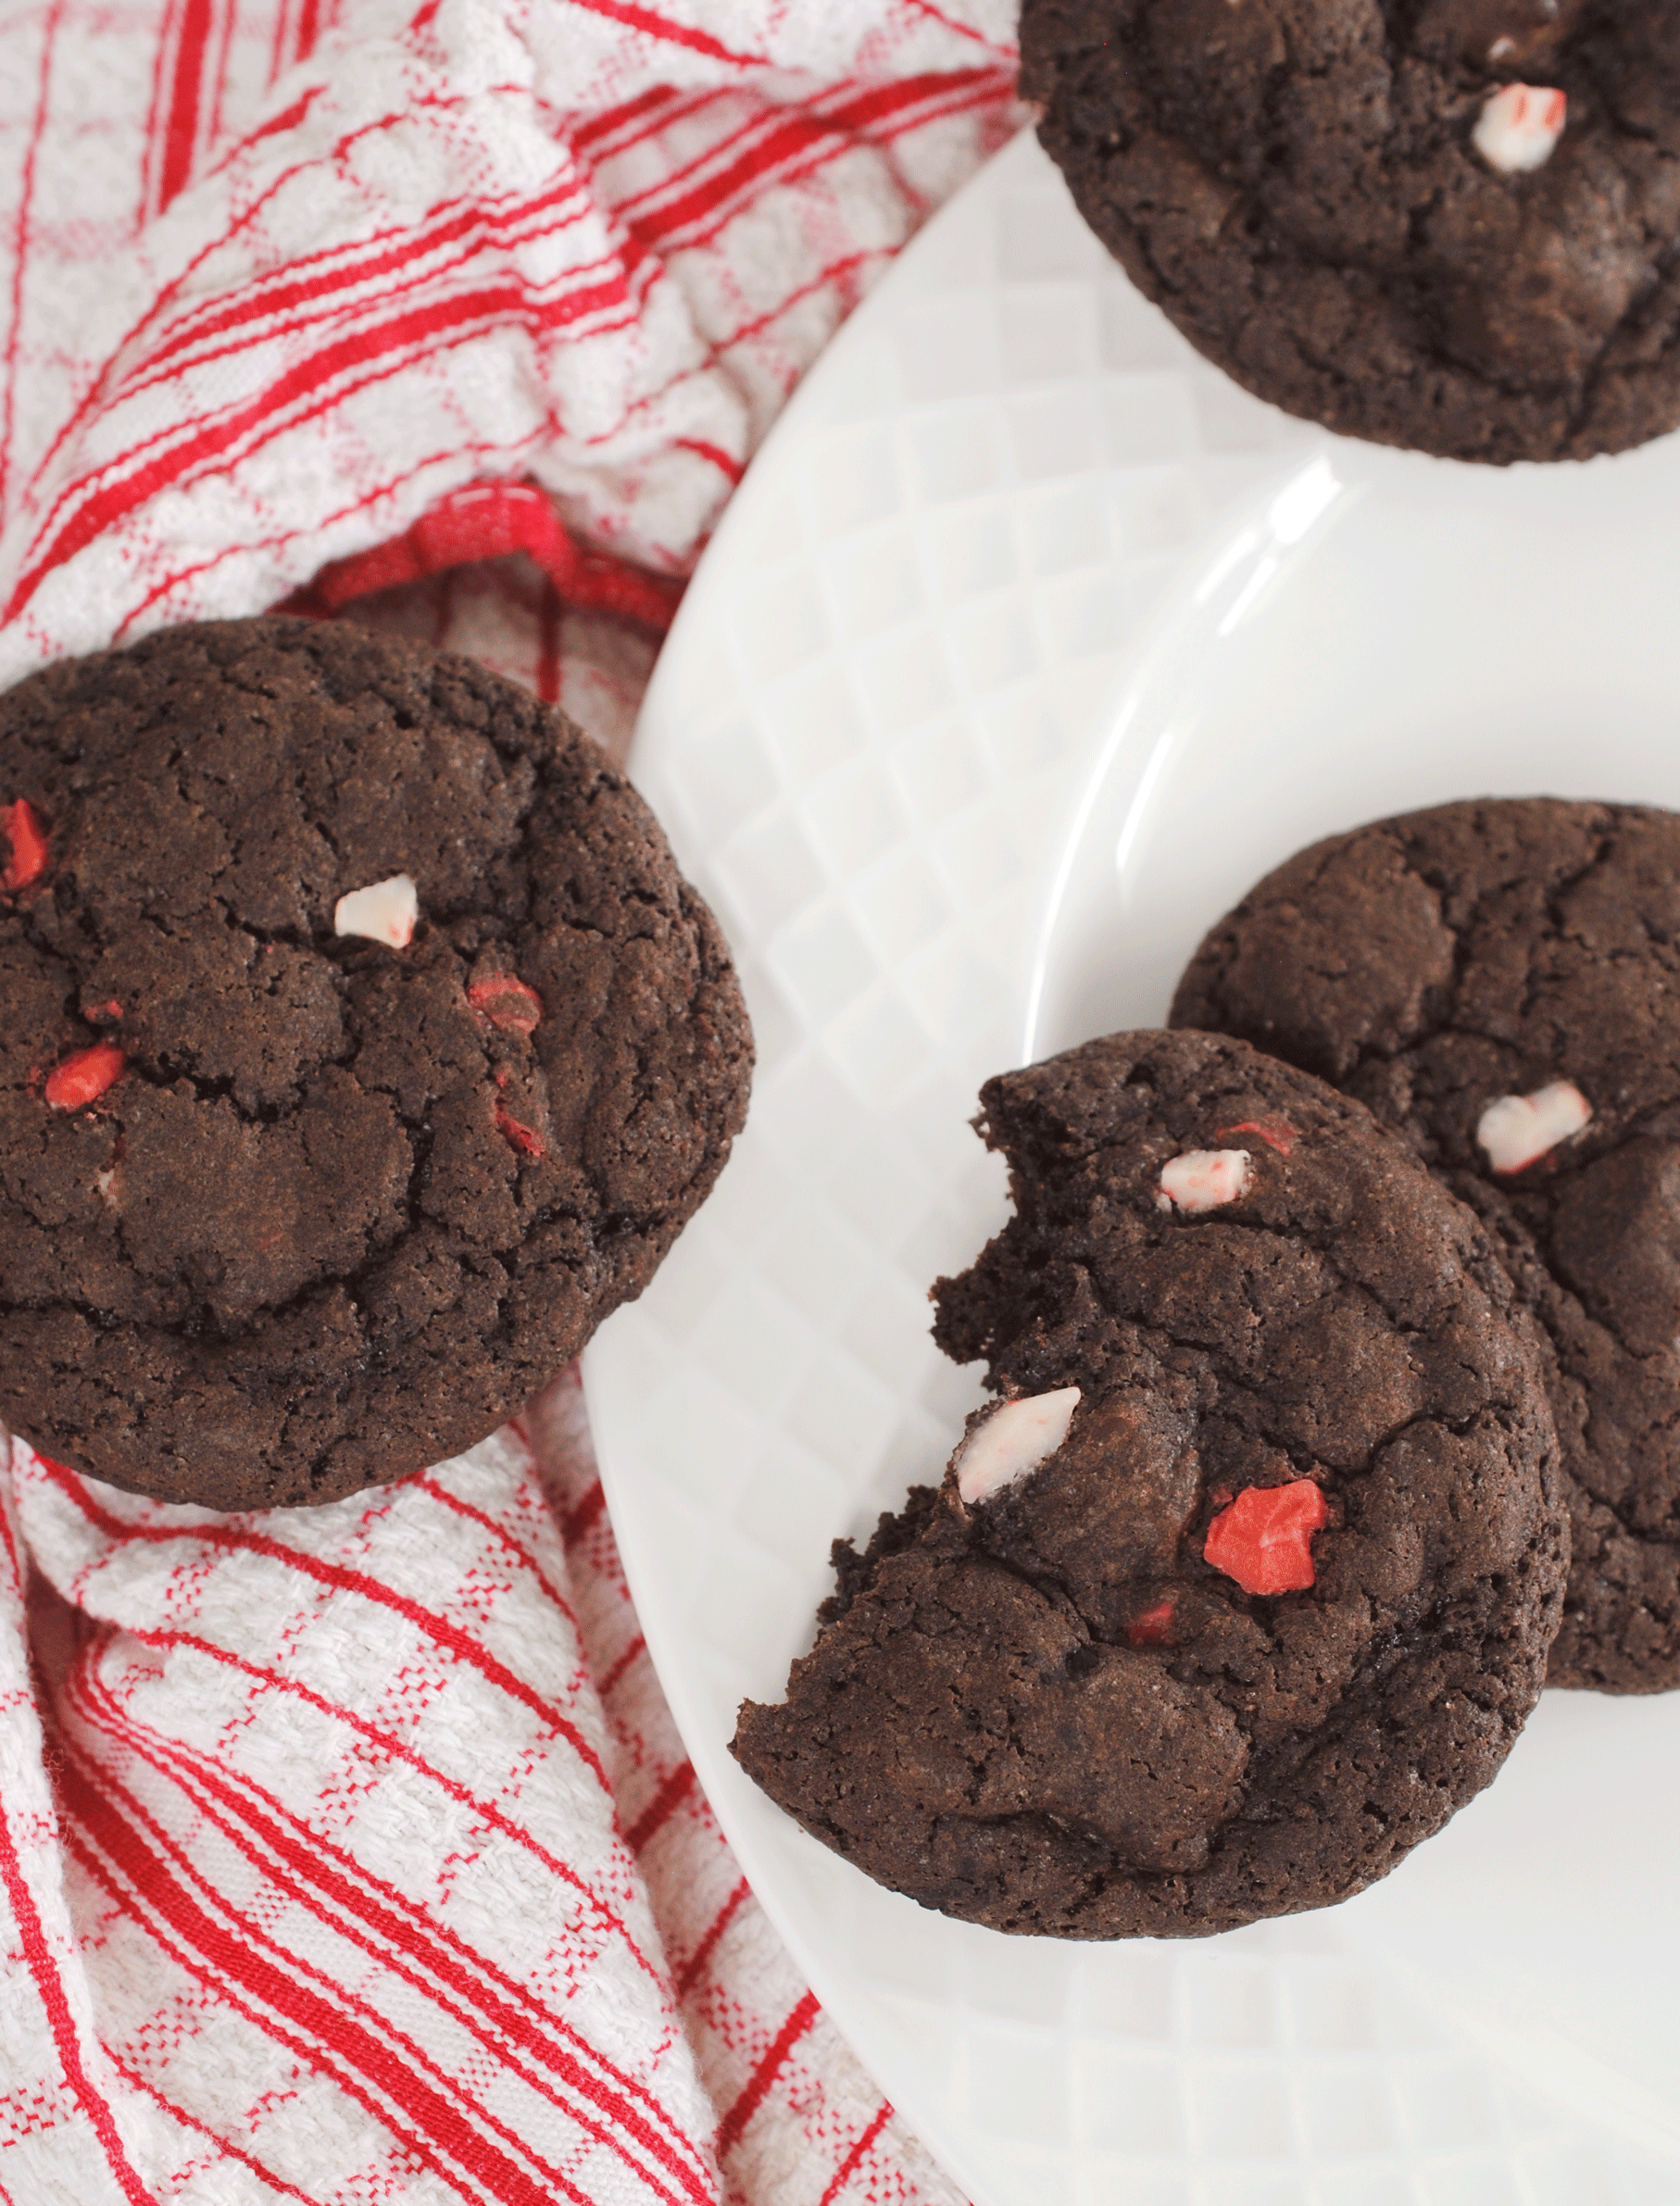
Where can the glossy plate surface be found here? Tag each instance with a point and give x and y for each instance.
(1027, 644)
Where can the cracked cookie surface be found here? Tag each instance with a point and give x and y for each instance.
(1447, 962)
(1063, 1707)
(1313, 191)
(286, 1210)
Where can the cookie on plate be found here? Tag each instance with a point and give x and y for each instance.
(1450, 224)
(361, 1048)
(1500, 982)
(1247, 1582)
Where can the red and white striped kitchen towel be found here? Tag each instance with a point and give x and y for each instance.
(350, 1855)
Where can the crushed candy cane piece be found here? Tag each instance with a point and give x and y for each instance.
(1518, 127)
(28, 846)
(506, 1001)
(85, 1077)
(1152, 1628)
(1203, 1179)
(1518, 1129)
(1263, 1540)
(386, 912)
(1014, 1439)
(520, 1136)
(1277, 1134)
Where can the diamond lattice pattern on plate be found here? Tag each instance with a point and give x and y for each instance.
(863, 736)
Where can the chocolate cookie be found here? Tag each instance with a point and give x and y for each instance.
(360, 1049)
(1451, 224)
(1248, 1582)
(1497, 981)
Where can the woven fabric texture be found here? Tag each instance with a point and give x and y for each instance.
(351, 1854)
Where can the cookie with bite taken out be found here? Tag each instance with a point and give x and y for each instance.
(1449, 224)
(361, 1048)
(1247, 1579)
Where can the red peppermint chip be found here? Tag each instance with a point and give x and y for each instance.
(1152, 1628)
(85, 1077)
(523, 1138)
(1277, 1134)
(28, 846)
(507, 1001)
(1263, 1540)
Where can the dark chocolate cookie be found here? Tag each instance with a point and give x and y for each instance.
(1249, 1581)
(360, 1049)
(1453, 224)
(1500, 982)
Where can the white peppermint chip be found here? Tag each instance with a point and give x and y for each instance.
(1202, 1179)
(1014, 1439)
(1518, 127)
(386, 912)
(1517, 1129)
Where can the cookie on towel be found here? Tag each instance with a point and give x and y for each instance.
(361, 1048)
(1247, 1582)
(1499, 981)
(1452, 224)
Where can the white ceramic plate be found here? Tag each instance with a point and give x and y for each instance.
(1027, 644)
